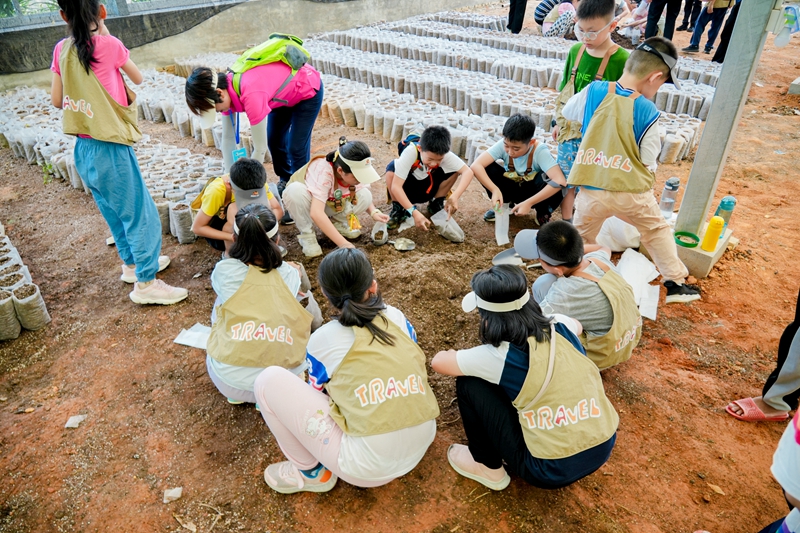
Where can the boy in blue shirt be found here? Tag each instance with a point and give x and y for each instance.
(528, 177)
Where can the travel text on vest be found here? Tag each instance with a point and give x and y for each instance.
(377, 392)
(544, 418)
(591, 157)
(249, 332)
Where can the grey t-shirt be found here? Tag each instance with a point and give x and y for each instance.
(582, 299)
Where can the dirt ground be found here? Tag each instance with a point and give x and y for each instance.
(155, 421)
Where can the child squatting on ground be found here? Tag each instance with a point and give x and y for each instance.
(98, 109)
(330, 192)
(529, 397)
(595, 57)
(581, 282)
(378, 417)
(425, 172)
(219, 200)
(258, 319)
(529, 176)
(616, 161)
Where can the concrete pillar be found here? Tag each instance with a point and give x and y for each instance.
(741, 61)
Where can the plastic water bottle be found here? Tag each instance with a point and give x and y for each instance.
(667, 203)
(725, 210)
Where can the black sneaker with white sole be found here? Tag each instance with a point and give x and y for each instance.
(489, 215)
(681, 293)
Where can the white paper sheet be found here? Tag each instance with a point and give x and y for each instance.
(196, 336)
(638, 271)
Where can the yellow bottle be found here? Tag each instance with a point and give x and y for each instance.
(713, 231)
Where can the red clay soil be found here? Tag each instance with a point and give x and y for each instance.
(155, 421)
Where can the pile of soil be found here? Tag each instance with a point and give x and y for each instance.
(9, 281)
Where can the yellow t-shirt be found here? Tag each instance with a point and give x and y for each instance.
(214, 197)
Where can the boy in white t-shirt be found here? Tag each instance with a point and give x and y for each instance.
(425, 172)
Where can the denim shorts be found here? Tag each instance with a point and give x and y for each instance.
(566, 155)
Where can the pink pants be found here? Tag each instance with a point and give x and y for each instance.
(297, 415)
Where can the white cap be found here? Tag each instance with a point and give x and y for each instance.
(472, 300)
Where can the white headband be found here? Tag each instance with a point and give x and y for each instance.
(270, 233)
(472, 300)
(213, 86)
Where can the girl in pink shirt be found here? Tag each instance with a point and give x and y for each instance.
(98, 109)
(279, 118)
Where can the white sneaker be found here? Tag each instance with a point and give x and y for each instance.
(157, 292)
(345, 230)
(287, 479)
(129, 273)
(310, 245)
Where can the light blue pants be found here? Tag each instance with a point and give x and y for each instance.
(111, 172)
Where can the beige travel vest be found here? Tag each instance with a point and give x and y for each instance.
(89, 109)
(617, 345)
(567, 129)
(609, 157)
(379, 388)
(562, 407)
(261, 325)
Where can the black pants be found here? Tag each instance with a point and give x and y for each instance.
(421, 191)
(516, 192)
(691, 10)
(495, 436)
(217, 223)
(656, 8)
(725, 36)
(516, 15)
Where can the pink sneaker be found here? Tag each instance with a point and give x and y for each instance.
(462, 462)
(129, 274)
(285, 478)
(157, 292)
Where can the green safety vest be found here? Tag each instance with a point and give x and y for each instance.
(89, 109)
(562, 406)
(609, 156)
(618, 343)
(380, 388)
(261, 325)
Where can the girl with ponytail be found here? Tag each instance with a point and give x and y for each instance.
(258, 319)
(98, 109)
(368, 415)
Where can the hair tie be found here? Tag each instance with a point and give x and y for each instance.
(346, 298)
(342, 140)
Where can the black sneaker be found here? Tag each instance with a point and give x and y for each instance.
(681, 293)
(287, 219)
(691, 49)
(488, 216)
(435, 205)
(397, 215)
(689, 29)
(707, 50)
(682, 27)
(281, 187)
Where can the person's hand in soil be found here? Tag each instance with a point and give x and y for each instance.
(451, 205)
(379, 216)
(555, 131)
(421, 221)
(522, 209)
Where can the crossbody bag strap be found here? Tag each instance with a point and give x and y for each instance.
(530, 157)
(602, 69)
(550, 364)
(578, 57)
